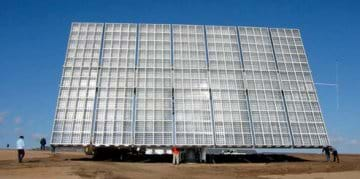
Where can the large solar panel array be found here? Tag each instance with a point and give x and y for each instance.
(186, 85)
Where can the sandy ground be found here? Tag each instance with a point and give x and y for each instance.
(321, 175)
(76, 165)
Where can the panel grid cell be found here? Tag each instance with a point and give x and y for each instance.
(191, 87)
(153, 124)
(231, 118)
(266, 103)
(304, 112)
(113, 118)
(74, 111)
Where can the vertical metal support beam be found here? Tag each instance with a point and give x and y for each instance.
(206, 48)
(273, 50)
(171, 47)
(250, 117)
(240, 50)
(133, 107)
(133, 125)
(287, 118)
(97, 86)
(137, 46)
(173, 118)
(210, 93)
(172, 84)
(212, 116)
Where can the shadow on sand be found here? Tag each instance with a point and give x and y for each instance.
(251, 158)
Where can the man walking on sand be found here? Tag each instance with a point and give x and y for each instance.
(176, 155)
(20, 146)
(335, 154)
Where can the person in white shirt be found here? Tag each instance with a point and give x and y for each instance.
(20, 146)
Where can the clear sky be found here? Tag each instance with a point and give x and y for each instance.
(33, 36)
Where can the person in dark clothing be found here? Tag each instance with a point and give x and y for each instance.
(335, 154)
(42, 143)
(8, 145)
(326, 149)
(52, 149)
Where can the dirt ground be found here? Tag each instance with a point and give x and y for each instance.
(76, 165)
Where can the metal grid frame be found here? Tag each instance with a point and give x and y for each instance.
(266, 103)
(74, 111)
(112, 125)
(305, 117)
(190, 85)
(231, 115)
(153, 122)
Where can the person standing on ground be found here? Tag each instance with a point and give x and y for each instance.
(52, 149)
(176, 155)
(326, 149)
(42, 143)
(20, 146)
(335, 154)
(7, 145)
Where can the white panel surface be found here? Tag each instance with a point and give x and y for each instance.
(266, 103)
(230, 108)
(74, 111)
(116, 86)
(304, 112)
(191, 87)
(153, 124)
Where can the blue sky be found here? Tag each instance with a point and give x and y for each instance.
(34, 35)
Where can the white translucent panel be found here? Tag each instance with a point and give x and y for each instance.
(191, 87)
(226, 82)
(153, 120)
(268, 106)
(116, 86)
(82, 47)
(298, 88)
